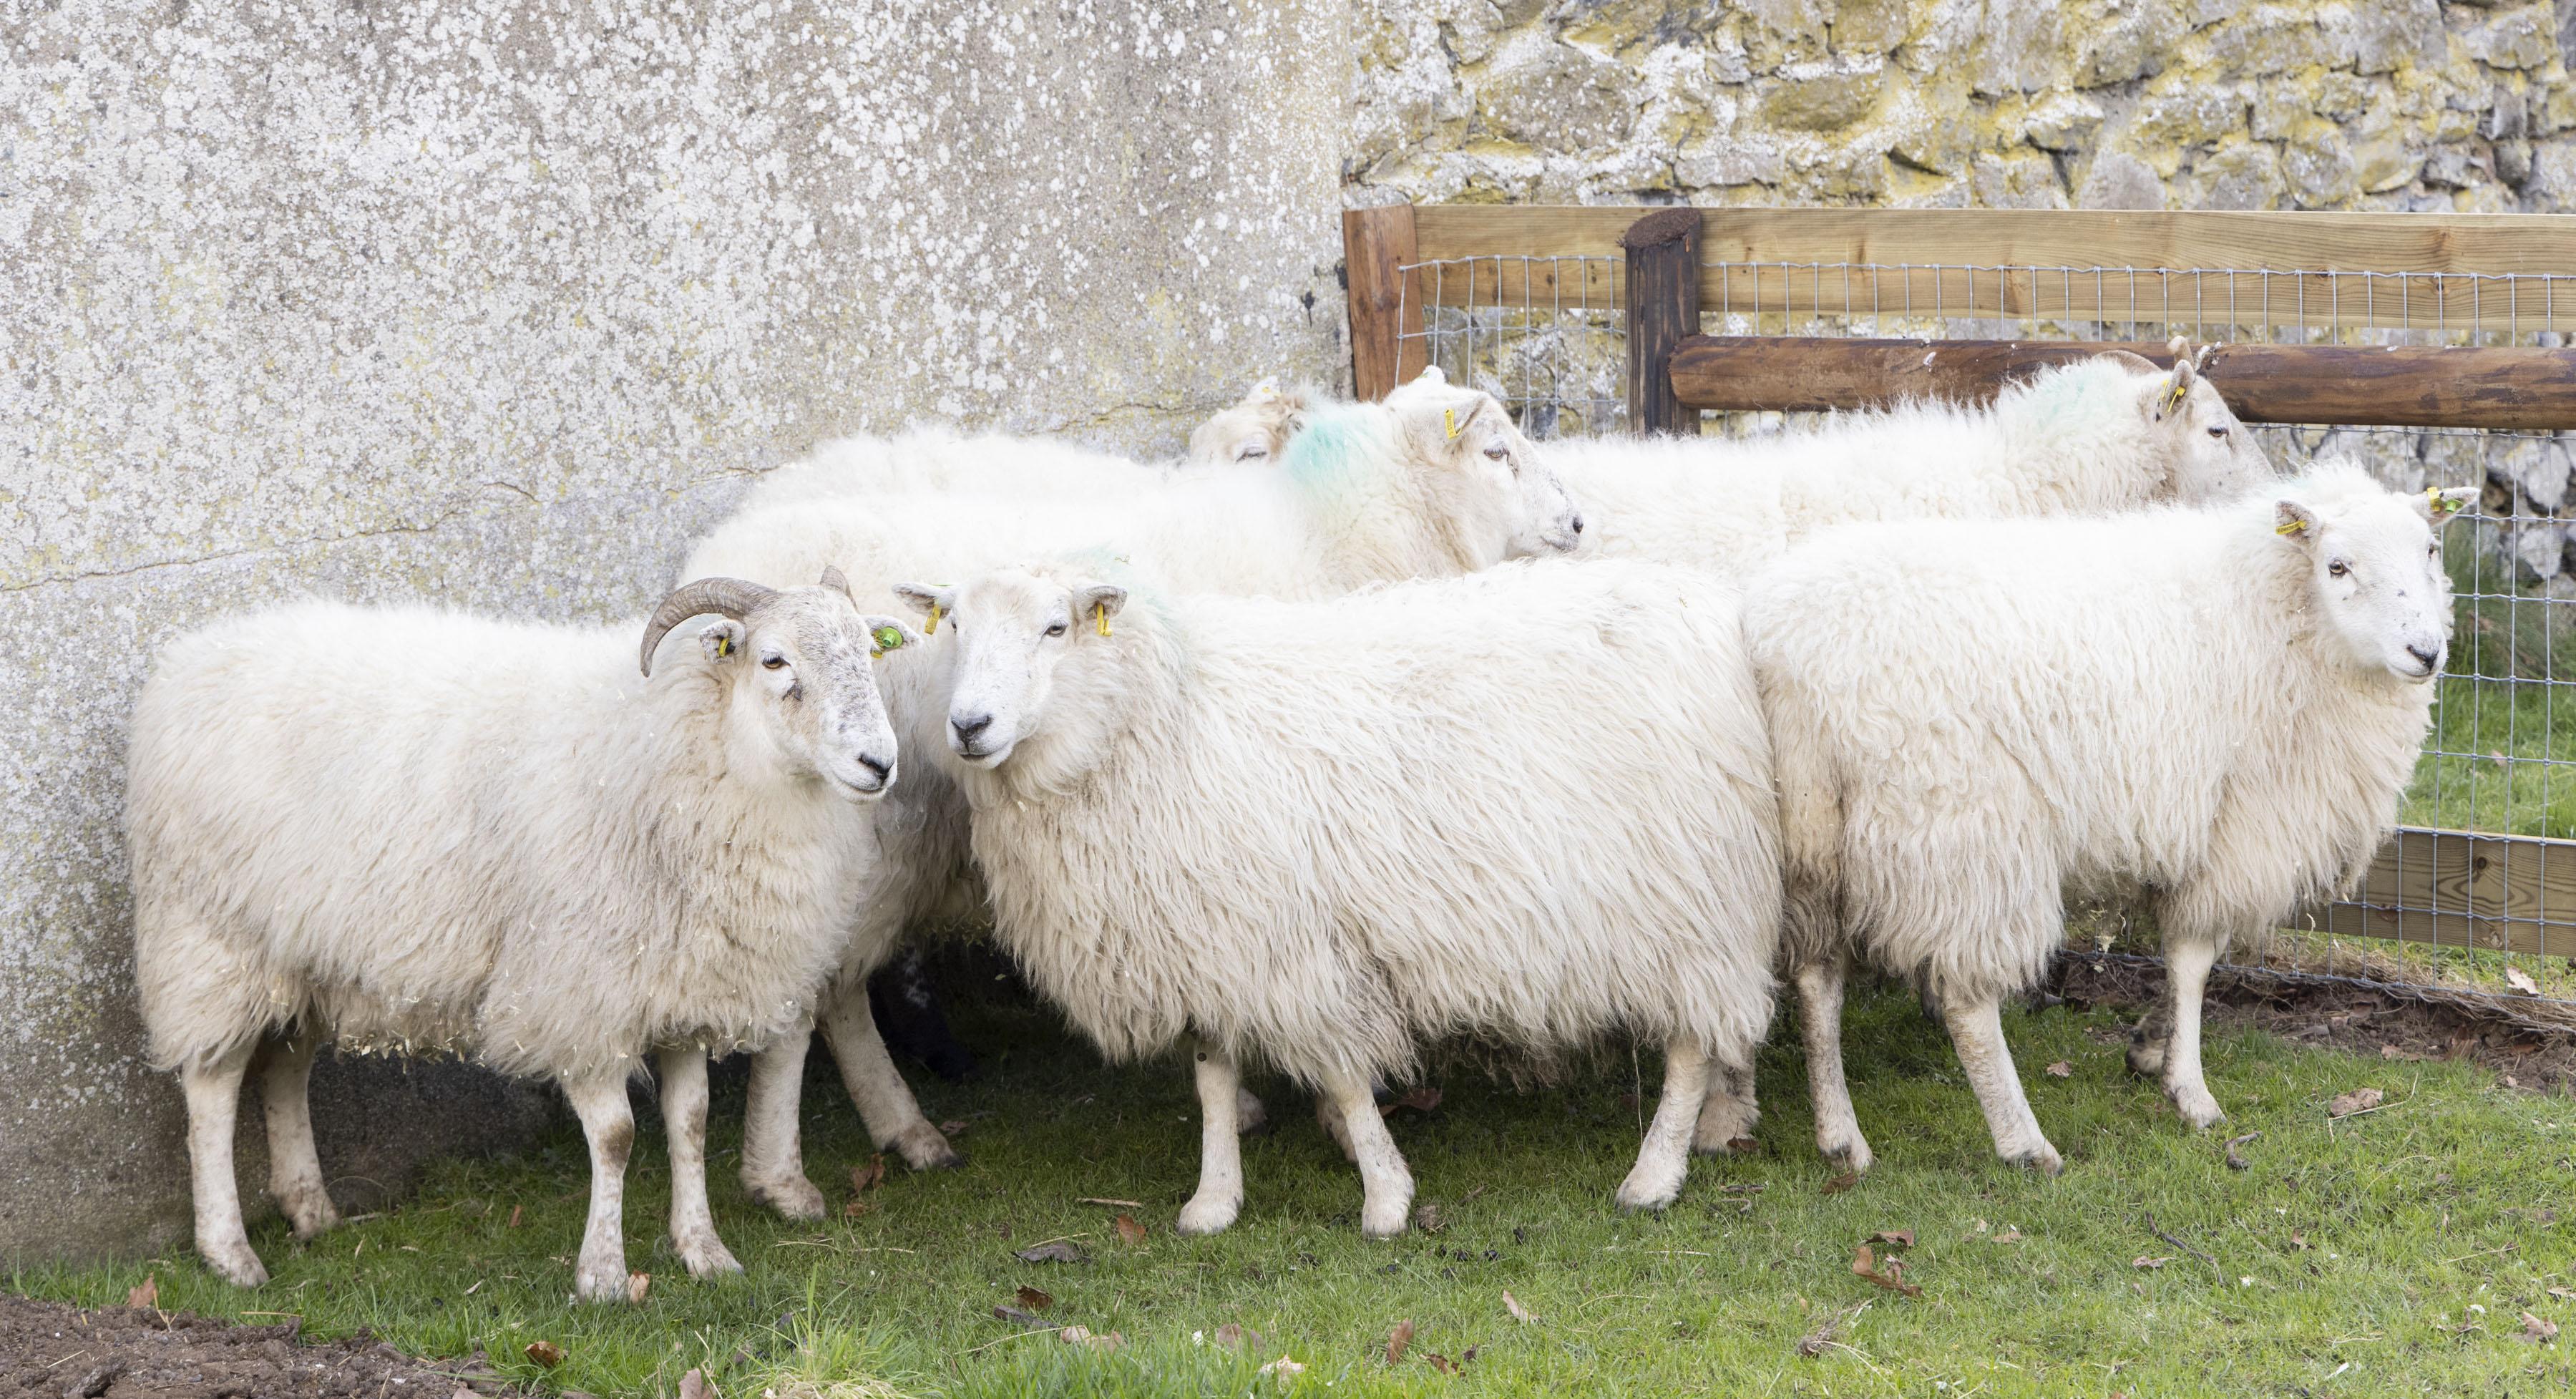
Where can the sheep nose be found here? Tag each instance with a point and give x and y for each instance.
(1578, 524)
(966, 729)
(882, 767)
(2431, 656)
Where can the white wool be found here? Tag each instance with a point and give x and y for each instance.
(2084, 438)
(1532, 805)
(1971, 717)
(443, 833)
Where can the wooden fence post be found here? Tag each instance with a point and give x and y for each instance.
(1663, 306)
(1376, 243)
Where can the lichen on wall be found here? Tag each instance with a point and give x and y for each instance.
(497, 302)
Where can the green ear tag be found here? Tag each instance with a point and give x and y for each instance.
(888, 639)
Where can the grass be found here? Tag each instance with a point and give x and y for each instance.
(2502, 755)
(2388, 1253)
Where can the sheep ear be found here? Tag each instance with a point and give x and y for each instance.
(2177, 386)
(931, 600)
(2443, 506)
(723, 640)
(888, 634)
(2294, 520)
(1096, 603)
(1438, 431)
(1264, 392)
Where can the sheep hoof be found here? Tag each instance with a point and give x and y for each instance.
(311, 1213)
(1645, 1190)
(1206, 1214)
(2146, 1056)
(2042, 1158)
(235, 1263)
(2196, 1106)
(707, 1257)
(1852, 1155)
(1724, 1122)
(597, 1281)
(1380, 1220)
(794, 1197)
(924, 1149)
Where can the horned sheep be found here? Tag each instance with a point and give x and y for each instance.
(1321, 834)
(1434, 482)
(2217, 707)
(417, 830)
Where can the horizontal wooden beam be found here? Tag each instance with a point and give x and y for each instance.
(2195, 268)
(2459, 889)
(2397, 386)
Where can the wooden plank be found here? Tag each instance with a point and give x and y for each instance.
(1663, 306)
(2399, 386)
(2462, 889)
(2430, 271)
(1376, 245)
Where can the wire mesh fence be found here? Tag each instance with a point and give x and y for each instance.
(2478, 867)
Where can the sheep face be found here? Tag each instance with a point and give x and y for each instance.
(2375, 567)
(2214, 458)
(1479, 471)
(804, 700)
(1013, 629)
(1253, 432)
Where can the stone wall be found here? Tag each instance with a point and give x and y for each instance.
(495, 302)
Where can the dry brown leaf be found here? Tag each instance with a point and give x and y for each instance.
(1285, 1368)
(637, 1284)
(2234, 1161)
(2061, 1069)
(2009, 1235)
(855, 1207)
(1742, 1146)
(2298, 1240)
(1894, 1238)
(953, 1127)
(1035, 1300)
(1865, 1265)
(1842, 1182)
(1397, 1340)
(693, 1385)
(2521, 981)
(546, 1354)
(1519, 1313)
(1426, 1217)
(2150, 1262)
(1129, 1231)
(1234, 1337)
(518, 1216)
(1081, 1336)
(2537, 1330)
(2358, 1100)
(868, 1177)
(1052, 1251)
(147, 1295)
(1441, 1363)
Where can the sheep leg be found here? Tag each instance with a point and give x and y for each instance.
(885, 1104)
(1656, 1179)
(1820, 1023)
(684, 1125)
(2186, 976)
(1728, 1114)
(294, 1167)
(1387, 1186)
(773, 1152)
(213, 1090)
(1249, 1114)
(1328, 1115)
(1220, 1193)
(599, 1100)
(1977, 1033)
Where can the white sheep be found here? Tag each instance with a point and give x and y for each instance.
(419, 831)
(1532, 805)
(1433, 482)
(2217, 706)
(1255, 429)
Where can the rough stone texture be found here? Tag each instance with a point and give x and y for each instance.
(496, 302)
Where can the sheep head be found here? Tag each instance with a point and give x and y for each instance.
(2209, 453)
(803, 698)
(2373, 559)
(1482, 474)
(1014, 629)
(1253, 431)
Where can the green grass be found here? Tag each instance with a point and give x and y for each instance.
(2355, 1257)
(2496, 706)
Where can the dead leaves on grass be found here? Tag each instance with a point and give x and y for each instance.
(1083, 1336)
(1842, 1182)
(1032, 1299)
(2061, 1069)
(637, 1284)
(693, 1385)
(1052, 1251)
(1397, 1340)
(1130, 1232)
(546, 1354)
(2236, 1162)
(147, 1295)
(1889, 1275)
(2359, 1100)
(1519, 1313)
(862, 1180)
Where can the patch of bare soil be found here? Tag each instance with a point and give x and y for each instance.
(66, 1352)
(2529, 1043)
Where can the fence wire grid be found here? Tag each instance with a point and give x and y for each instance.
(2485, 861)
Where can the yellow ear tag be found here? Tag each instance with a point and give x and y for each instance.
(2292, 527)
(931, 627)
(724, 646)
(2173, 397)
(887, 639)
(1449, 416)
(1100, 615)
(2440, 503)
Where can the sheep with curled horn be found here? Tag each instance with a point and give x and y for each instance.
(1434, 482)
(409, 829)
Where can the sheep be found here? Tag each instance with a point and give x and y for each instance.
(1256, 429)
(1433, 482)
(420, 831)
(2217, 707)
(1532, 805)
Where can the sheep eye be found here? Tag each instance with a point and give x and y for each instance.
(774, 662)
(1252, 454)
(1056, 630)
(1498, 451)
(2218, 432)
(2338, 568)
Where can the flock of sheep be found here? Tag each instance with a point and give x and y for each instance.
(1371, 726)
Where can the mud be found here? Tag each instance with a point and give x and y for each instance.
(66, 1352)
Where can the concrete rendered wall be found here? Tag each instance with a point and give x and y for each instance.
(496, 302)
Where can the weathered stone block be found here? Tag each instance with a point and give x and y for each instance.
(2119, 180)
(2318, 166)
(2523, 38)
(1816, 97)
(2246, 175)
(1543, 93)
(2137, 43)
